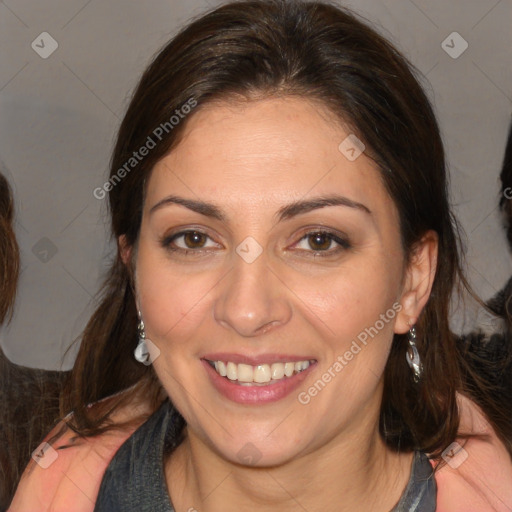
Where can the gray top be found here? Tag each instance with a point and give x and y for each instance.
(135, 480)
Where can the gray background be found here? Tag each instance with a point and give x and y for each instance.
(58, 117)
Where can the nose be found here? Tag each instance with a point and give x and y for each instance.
(252, 300)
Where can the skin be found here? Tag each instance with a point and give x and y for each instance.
(250, 160)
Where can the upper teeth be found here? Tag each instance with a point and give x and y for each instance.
(261, 373)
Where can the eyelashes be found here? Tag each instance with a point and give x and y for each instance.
(315, 242)
(324, 240)
(192, 239)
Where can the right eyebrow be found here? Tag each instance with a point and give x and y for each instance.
(202, 207)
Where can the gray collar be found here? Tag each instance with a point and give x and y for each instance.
(135, 479)
(420, 495)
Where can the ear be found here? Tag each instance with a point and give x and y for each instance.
(418, 281)
(126, 253)
(125, 250)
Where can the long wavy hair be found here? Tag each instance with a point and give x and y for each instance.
(257, 49)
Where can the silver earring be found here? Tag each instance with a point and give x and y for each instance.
(413, 356)
(141, 352)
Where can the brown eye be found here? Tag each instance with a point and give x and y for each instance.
(188, 241)
(320, 241)
(194, 239)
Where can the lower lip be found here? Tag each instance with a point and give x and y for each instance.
(255, 394)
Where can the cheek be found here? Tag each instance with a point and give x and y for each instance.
(173, 304)
(351, 298)
(174, 310)
(355, 319)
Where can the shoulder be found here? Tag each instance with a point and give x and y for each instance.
(478, 471)
(66, 470)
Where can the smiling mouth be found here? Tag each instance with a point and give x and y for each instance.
(261, 374)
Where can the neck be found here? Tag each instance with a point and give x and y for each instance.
(358, 473)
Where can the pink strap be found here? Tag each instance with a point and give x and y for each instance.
(478, 475)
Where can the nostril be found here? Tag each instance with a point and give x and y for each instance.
(267, 327)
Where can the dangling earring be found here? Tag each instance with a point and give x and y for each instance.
(141, 352)
(413, 356)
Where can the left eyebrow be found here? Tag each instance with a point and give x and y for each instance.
(300, 207)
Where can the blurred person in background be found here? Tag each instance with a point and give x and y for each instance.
(29, 398)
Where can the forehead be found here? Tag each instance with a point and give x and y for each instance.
(270, 150)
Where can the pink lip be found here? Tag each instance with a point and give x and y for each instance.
(254, 395)
(255, 360)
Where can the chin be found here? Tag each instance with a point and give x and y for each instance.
(260, 451)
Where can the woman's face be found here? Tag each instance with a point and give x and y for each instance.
(267, 248)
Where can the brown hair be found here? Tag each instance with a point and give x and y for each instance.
(255, 49)
(9, 252)
(9, 269)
